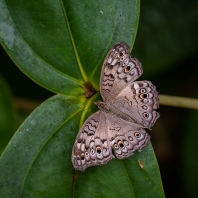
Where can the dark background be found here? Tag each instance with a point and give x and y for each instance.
(167, 46)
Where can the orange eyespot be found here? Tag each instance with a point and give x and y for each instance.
(98, 149)
(137, 134)
(120, 143)
(143, 96)
(82, 156)
(127, 69)
(146, 115)
(120, 54)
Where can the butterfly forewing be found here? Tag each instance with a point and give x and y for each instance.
(118, 70)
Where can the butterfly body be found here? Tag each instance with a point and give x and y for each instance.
(128, 106)
(111, 109)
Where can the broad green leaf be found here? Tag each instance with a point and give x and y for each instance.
(44, 130)
(37, 161)
(61, 46)
(7, 115)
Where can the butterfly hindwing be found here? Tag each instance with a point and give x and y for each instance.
(139, 100)
(126, 137)
(92, 146)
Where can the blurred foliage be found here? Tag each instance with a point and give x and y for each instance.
(7, 115)
(167, 43)
(189, 148)
(167, 46)
(167, 34)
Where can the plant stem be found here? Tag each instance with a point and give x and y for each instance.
(29, 105)
(176, 101)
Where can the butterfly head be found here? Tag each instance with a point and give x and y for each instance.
(102, 105)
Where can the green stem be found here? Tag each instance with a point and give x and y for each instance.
(176, 101)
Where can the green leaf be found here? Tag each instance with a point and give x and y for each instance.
(124, 178)
(61, 46)
(50, 128)
(37, 161)
(7, 115)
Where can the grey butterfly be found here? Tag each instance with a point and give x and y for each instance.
(128, 107)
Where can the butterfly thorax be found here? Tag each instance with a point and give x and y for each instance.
(111, 109)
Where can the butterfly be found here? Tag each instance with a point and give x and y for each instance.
(127, 108)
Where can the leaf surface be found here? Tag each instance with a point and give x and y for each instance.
(37, 161)
(61, 46)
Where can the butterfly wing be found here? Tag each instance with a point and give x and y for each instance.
(126, 137)
(101, 131)
(118, 70)
(139, 100)
(92, 146)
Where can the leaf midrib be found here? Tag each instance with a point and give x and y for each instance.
(127, 178)
(73, 43)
